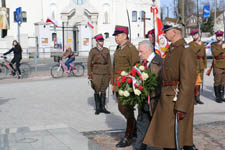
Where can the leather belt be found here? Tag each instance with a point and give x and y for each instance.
(170, 83)
(222, 56)
(200, 57)
(100, 63)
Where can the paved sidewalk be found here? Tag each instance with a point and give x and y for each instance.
(37, 102)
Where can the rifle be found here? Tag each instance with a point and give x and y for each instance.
(210, 68)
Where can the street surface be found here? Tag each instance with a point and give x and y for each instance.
(48, 106)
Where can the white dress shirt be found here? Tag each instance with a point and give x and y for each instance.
(150, 57)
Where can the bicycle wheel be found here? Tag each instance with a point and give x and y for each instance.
(57, 71)
(3, 71)
(78, 70)
(25, 70)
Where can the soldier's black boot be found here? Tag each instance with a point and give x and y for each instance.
(97, 104)
(190, 148)
(127, 140)
(222, 93)
(217, 94)
(102, 104)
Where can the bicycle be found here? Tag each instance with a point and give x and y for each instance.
(5, 68)
(76, 69)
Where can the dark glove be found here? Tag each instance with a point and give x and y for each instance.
(180, 115)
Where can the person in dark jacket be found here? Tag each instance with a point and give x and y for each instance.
(17, 50)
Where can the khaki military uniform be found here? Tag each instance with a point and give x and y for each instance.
(125, 56)
(179, 70)
(219, 64)
(200, 53)
(201, 57)
(99, 65)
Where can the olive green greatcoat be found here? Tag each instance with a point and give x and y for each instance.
(99, 66)
(179, 65)
(199, 50)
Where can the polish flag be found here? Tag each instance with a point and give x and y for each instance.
(91, 26)
(52, 21)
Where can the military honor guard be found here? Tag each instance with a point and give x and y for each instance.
(154, 63)
(218, 51)
(199, 50)
(99, 73)
(176, 105)
(126, 55)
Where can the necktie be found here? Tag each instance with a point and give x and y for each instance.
(145, 63)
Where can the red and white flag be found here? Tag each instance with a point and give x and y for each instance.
(49, 19)
(161, 43)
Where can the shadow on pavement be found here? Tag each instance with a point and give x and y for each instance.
(115, 122)
(208, 93)
(91, 101)
(5, 100)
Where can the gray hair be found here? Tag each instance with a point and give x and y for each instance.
(148, 44)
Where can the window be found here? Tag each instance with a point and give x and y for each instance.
(134, 16)
(79, 2)
(142, 15)
(106, 16)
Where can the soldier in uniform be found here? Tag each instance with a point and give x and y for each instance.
(177, 93)
(151, 36)
(126, 55)
(154, 63)
(199, 49)
(218, 50)
(99, 72)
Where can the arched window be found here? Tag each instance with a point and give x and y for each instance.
(134, 16)
(106, 15)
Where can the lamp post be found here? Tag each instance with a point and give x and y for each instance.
(215, 16)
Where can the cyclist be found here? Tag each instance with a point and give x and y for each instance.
(70, 55)
(17, 50)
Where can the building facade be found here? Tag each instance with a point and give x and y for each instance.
(75, 22)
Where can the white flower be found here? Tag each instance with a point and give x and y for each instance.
(137, 92)
(142, 68)
(145, 75)
(126, 93)
(123, 73)
(121, 93)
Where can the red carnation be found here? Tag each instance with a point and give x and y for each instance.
(124, 77)
(114, 83)
(117, 78)
(140, 88)
(130, 81)
(118, 83)
(135, 85)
